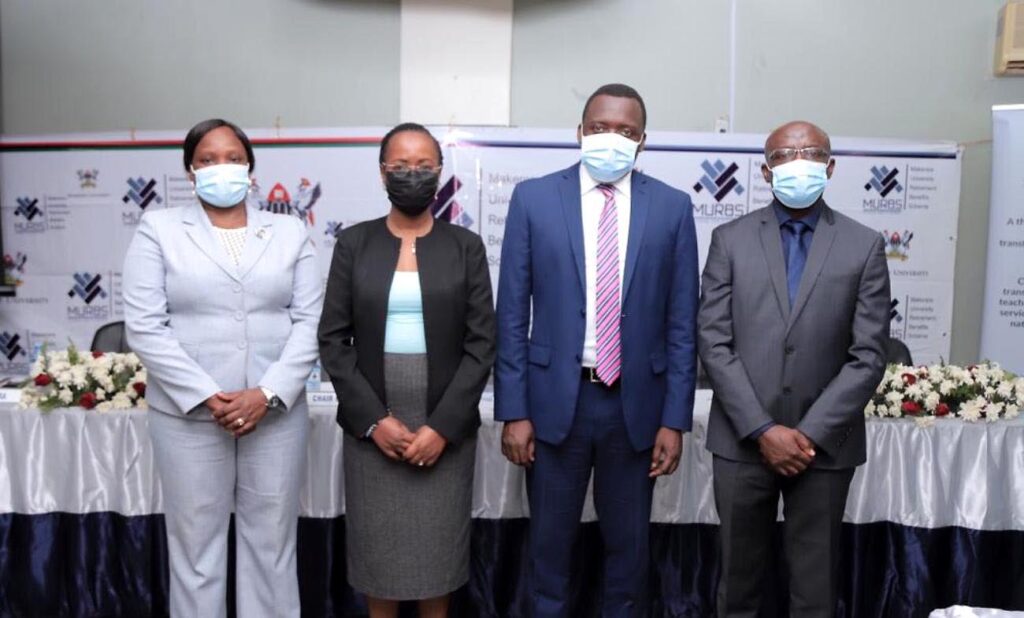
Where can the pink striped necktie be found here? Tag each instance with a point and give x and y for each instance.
(609, 345)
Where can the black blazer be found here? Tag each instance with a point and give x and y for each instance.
(458, 318)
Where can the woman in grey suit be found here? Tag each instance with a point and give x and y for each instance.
(221, 303)
(407, 338)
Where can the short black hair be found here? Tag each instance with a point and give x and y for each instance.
(402, 128)
(619, 90)
(198, 132)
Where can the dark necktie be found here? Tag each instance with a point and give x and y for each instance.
(796, 255)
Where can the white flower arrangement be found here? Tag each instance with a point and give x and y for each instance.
(94, 380)
(983, 392)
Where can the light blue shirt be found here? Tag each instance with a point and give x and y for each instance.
(404, 332)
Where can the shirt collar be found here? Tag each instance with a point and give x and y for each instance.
(811, 220)
(622, 185)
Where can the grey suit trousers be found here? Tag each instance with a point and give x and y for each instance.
(747, 498)
(206, 473)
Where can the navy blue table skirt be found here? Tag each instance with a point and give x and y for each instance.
(105, 564)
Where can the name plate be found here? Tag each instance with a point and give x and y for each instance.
(10, 395)
(321, 398)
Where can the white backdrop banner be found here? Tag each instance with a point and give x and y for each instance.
(1002, 318)
(71, 203)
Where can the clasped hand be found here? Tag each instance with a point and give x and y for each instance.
(786, 451)
(248, 406)
(422, 447)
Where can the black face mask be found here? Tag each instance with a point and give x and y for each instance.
(412, 192)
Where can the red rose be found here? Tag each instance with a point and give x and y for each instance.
(96, 354)
(909, 379)
(140, 388)
(43, 379)
(941, 410)
(911, 407)
(87, 400)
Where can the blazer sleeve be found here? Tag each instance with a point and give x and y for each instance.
(147, 324)
(513, 313)
(842, 402)
(681, 348)
(728, 376)
(358, 403)
(286, 377)
(457, 412)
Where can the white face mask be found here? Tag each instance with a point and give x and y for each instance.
(222, 186)
(799, 183)
(608, 156)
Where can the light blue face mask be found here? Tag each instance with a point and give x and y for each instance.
(799, 183)
(222, 186)
(608, 156)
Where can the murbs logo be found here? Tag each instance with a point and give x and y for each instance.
(14, 268)
(14, 353)
(87, 287)
(28, 207)
(884, 183)
(10, 346)
(142, 193)
(333, 228)
(896, 327)
(718, 193)
(718, 179)
(85, 290)
(447, 208)
(87, 178)
(897, 246)
(280, 201)
(29, 216)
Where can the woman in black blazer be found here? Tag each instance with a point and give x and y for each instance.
(407, 336)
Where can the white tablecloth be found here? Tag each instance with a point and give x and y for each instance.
(950, 474)
(959, 611)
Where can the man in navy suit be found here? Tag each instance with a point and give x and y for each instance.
(596, 364)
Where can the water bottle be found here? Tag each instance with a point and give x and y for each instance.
(313, 381)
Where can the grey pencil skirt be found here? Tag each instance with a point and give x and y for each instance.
(407, 528)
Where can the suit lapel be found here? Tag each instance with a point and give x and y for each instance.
(200, 230)
(639, 205)
(771, 244)
(824, 236)
(572, 211)
(257, 238)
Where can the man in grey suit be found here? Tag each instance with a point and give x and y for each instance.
(792, 324)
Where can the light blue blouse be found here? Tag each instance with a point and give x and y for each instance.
(403, 333)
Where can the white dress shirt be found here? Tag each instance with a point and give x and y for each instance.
(592, 202)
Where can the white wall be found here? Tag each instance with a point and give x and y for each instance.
(72, 65)
(872, 68)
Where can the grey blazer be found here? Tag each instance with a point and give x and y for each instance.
(202, 325)
(812, 366)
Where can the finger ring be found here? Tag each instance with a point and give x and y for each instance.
(240, 423)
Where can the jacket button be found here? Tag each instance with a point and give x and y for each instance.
(239, 316)
(241, 345)
(786, 390)
(583, 311)
(236, 289)
(790, 349)
(579, 358)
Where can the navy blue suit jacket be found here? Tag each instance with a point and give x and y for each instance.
(537, 374)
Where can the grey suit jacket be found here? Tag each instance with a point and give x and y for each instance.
(202, 325)
(813, 366)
